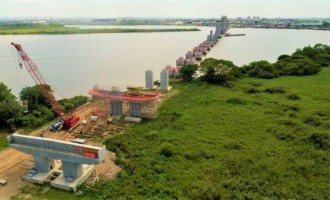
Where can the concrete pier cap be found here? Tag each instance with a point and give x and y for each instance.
(77, 160)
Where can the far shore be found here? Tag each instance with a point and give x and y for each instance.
(31, 29)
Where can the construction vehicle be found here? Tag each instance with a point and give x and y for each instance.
(56, 125)
(69, 120)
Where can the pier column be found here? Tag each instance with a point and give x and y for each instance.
(71, 170)
(43, 164)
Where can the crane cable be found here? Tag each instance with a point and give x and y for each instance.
(20, 64)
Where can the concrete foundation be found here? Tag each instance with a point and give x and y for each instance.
(55, 178)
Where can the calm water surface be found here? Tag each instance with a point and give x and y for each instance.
(72, 64)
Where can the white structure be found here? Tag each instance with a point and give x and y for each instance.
(164, 85)
(149, 79)
(217, 28)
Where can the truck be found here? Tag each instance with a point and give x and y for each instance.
(56, 125)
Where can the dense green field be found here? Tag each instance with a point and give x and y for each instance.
(59, 29)
(259, 139)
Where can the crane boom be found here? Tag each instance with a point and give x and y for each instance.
(68, 120)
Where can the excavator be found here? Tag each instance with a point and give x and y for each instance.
(69, 119)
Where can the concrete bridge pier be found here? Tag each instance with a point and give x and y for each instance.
(71, 170)
(43, 164)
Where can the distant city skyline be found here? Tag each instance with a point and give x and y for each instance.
(165, 8)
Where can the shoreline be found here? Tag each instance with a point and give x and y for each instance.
(66, 31)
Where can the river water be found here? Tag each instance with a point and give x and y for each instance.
(72, 64)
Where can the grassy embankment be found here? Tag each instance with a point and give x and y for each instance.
(212, 142)
(3, 142)
(29, 29)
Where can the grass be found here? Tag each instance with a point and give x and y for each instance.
(201, 147)
(3, 142)
(29, 29)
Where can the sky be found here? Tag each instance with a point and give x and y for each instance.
(165, 8)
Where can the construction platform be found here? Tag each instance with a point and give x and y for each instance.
(134, 102)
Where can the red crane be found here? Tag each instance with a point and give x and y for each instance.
(69, 120)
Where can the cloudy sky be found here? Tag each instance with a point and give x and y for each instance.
(164, 8)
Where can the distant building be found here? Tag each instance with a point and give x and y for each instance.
(103, 20)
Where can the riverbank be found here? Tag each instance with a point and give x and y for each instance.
(41, 29)
(216, 142)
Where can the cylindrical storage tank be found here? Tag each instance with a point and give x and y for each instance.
(116, 108)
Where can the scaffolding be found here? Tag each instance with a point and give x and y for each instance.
(133, 103)
(101, 108)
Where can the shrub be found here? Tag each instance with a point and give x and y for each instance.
(321, 113)
(320, 140)
(261, 69)
(236, 101)
(252, 90)
(294, 108)
(312, 120)
(188, 72)
(297, 65)
(167, 150)
(273, 90)
(255, 84)
(293, 96)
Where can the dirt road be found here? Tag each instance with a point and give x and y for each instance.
(13, 164)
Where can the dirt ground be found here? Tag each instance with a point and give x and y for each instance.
(13, 164)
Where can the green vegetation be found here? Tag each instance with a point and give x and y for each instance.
(35, 110)
(3, 142)
(10, 108)
(73, 102)
(25, 29)
(214, 142)
(218, 71)
(306, 61)
(188, 72)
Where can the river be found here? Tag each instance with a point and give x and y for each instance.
(72, 64)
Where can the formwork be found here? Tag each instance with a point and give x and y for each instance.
(131, 103)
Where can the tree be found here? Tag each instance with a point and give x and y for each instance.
(73, 102)
(298, 65)
(188, 72)
(218, 71)
(34, 96)
(261, 69)
(37, 117)
(10, 108)
(283, 56)
(320, 53)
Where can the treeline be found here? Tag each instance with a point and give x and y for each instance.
(31, 109)
(22, 29)
(306, 61)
